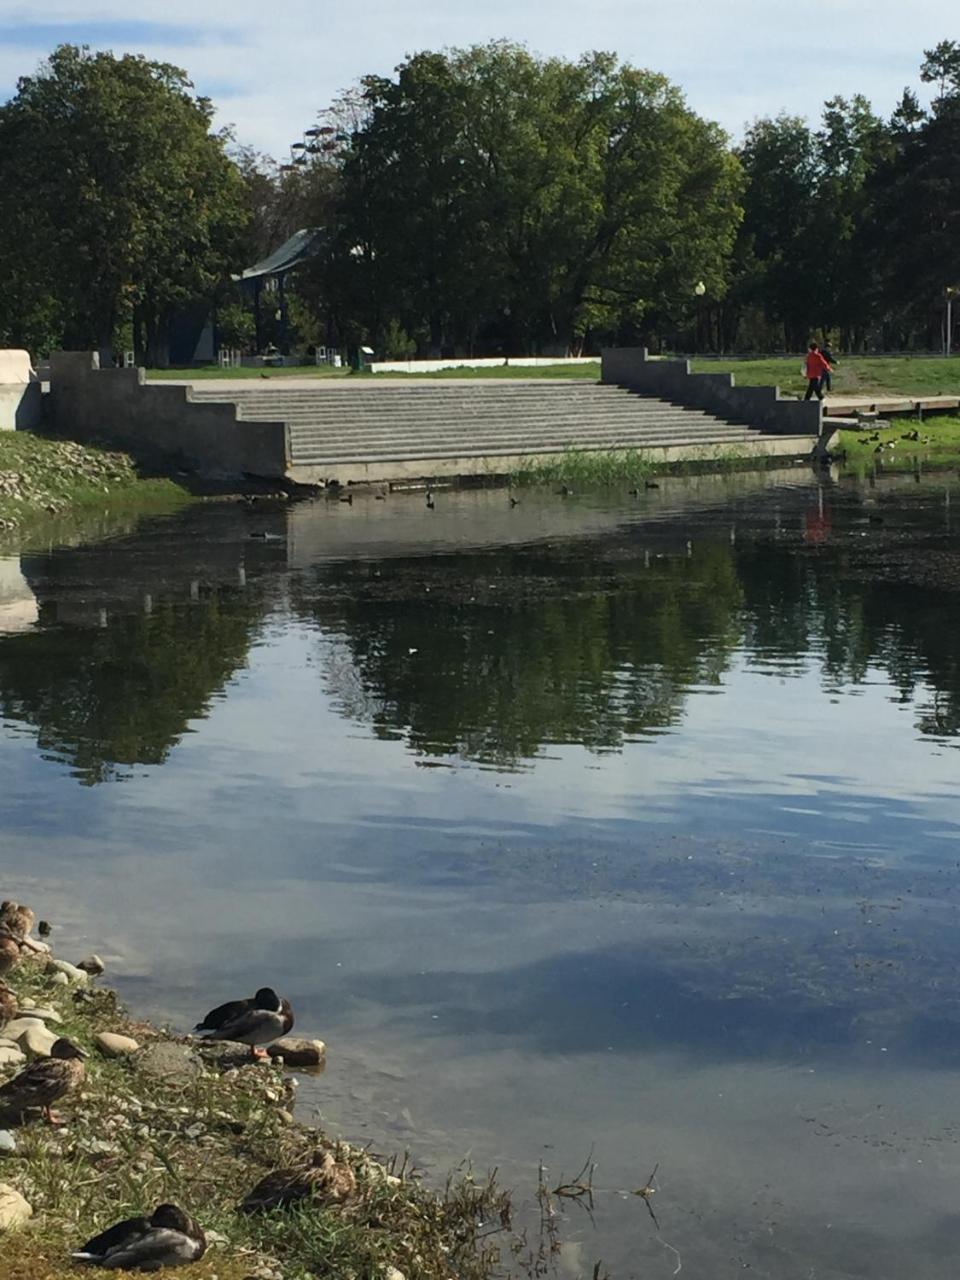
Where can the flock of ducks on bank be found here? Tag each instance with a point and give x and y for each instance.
(169, 1236)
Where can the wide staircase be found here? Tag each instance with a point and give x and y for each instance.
(357, 429)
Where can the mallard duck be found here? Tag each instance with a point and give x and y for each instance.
(168, 1238)
(45, 1081)
(326, 1180)
(18, 919)
(9, 954)
(8, 1004)
(255, 1022)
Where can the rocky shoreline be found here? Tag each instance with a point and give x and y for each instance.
(161, 1118)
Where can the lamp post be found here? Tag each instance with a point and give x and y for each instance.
(951, 292)
(699, 289)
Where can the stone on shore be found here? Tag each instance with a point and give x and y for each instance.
(8, 1143)
(60, 980)
(115, 1046)
(165, 1061)
(45, 1015)
(38, 1041)
(299, 1053)
(19, 1027)
(72, 972)
(11, 1056)
(14, 1210)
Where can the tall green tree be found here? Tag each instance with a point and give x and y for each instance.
(117, 202)
(495, 198)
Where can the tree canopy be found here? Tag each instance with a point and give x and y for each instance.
(117, 201)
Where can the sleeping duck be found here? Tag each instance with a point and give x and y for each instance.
(257, 1021)
(168, 1238)
(8, 1004)
(18, 919)
(45, 1081)
(325, 1180)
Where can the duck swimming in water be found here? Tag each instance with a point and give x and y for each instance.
(168, 1238)
(45, 1081)
(257, 1021)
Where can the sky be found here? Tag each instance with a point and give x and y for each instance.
(270, 67)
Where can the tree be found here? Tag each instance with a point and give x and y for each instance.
(941, 66)
(494, 198)
(117, 195)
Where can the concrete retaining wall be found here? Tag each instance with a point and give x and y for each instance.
(159, 424)
(21, 403)
(717, 392)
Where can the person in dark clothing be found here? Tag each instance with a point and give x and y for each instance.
(816, 368)
(826, 382)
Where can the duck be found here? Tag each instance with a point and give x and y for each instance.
(9, 954)
(257, 1021)
(45, 1081)
(8, 1004)
(18, 919)
(168, 1238)
(325, 1179)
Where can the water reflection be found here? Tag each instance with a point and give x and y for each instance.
(686, 888)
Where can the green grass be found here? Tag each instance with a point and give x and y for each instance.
(133, 1140)
(41, 478)
(856, 375)
(617, 468)
(938, 444)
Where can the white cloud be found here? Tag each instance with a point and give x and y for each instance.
(272, 67)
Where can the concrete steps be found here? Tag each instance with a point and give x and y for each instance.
(361, 429)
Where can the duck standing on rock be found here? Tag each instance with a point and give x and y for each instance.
(257, 1021)
(45, 1081)
(168, 1238)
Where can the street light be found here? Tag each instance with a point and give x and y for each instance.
(951, 291)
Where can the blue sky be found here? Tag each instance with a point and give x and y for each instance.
(271, 66)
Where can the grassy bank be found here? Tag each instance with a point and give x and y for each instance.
(903, 444)
(622, 467)
(201, 1136)
(855, 375)
(40, 477)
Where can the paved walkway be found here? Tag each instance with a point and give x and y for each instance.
(846, 406)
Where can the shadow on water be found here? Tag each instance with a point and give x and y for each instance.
(681, 881)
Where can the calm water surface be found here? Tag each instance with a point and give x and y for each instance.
(597, 823)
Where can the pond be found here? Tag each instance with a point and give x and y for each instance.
(604, 827)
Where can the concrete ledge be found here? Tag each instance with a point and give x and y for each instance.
(370, 471)
(21, 401)
(673, 380)
(157, 423)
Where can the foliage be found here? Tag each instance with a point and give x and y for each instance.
(492, 198)
(116, 201)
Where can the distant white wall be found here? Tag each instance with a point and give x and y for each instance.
(481, 362)
(20, 398)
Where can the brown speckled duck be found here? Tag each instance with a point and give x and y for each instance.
(44, 1082)
(168, 1238)
(326, 1180)
(8, 1005)
(18, 919)
(9, 953)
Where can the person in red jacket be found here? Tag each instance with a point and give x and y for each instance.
(817, 366)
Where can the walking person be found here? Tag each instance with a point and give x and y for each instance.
(826, 382)
(816, 368)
